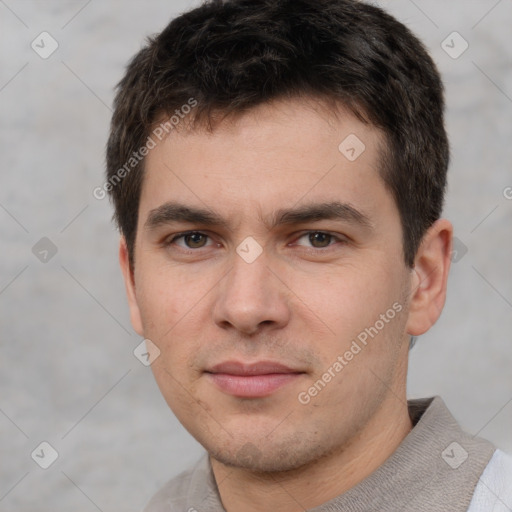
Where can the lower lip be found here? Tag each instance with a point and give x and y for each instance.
(252, 386)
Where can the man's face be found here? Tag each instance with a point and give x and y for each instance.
(270, 278)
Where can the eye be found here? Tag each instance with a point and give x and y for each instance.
(319, 239)
(190, 240)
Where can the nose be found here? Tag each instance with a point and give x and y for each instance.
(251, 298)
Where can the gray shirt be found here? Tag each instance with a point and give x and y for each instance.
(435, 468)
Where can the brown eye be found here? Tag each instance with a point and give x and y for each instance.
(320, 240)
(195, 240)
(191, 240)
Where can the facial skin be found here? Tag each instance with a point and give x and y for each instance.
(301, 303)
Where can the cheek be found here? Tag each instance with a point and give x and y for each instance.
(360, 316)
(362, 363)
(173, 308)
(346, 298)
(167, 295)
(176, 387)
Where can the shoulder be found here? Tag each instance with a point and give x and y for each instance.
(493, 492)
(175, 495)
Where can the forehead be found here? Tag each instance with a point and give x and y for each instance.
(274, 156)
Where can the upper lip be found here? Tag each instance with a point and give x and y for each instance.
(257, 368)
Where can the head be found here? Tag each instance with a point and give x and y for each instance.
(278, 169)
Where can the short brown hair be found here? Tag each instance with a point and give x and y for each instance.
(232, 55)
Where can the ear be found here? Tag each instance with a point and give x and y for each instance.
(430, 277)
(129, 282)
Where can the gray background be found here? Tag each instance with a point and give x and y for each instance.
(68, 375)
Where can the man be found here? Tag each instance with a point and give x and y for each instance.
(278, 170)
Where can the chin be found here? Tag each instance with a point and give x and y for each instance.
(271, 458)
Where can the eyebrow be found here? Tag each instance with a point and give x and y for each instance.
(171, 212)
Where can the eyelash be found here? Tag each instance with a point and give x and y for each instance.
(334, 237)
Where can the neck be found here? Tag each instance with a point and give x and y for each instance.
(313, 485)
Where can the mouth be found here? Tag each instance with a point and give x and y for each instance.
(254, 380)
